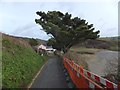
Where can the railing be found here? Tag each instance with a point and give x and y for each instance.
(85, 79)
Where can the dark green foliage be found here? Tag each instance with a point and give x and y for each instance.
(66, 31)
(33, 42)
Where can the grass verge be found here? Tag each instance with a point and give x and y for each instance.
(19, 64)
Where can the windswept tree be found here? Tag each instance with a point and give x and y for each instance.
(65, 30)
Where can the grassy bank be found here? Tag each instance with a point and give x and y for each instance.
(19, 64)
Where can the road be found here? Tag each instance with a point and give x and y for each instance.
(51, 76)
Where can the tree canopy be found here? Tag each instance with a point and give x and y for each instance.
(66, 31)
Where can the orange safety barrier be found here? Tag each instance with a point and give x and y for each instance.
(119, 86)
(85, 79)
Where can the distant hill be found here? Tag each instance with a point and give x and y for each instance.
(111, 38)
(110, 43)
(40, 41)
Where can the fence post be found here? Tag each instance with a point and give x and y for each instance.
(119, 86)
(81, 70)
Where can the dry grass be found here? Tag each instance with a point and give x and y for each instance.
(80, 55)
(77, 59)
(18, 41)
(83, 50)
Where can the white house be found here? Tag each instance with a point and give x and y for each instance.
(42, 47)
(46, 48)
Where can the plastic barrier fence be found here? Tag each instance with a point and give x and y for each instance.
(85, 79)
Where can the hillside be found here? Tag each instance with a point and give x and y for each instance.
(20, 62)
(40, 41)
(110, 43)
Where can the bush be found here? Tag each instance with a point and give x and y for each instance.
(33, 42)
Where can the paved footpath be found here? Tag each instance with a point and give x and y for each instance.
(51, 76)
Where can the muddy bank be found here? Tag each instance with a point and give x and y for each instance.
(105, 64)
(101, 62)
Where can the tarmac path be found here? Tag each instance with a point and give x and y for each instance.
(51, 76)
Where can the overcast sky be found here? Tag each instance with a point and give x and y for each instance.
(17, 18)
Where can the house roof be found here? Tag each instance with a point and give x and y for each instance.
(42, 47)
